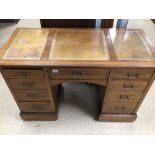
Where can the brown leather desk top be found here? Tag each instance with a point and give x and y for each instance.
(78, 47)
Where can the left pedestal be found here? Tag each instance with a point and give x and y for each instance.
(32, 92)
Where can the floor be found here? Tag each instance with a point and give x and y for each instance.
(77, 113)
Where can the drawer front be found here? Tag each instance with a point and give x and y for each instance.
(119, 109)
(127, 97)
(128, 85)
(132, 74)
(23, 73)
(78, 73)
(35, 107)
(32, 95)
(126, 104)
(27, 83)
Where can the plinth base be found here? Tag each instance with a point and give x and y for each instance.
(29, 116)
(117, 117)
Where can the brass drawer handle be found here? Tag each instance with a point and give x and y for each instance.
(36, 107)
(132, 75)
(24, 74)
(28, 84)
(78, 73)
(30, 95)
(128, 86)
(121, 109)
(124, 97)
(55, 71)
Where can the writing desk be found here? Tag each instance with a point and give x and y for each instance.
(34, 62)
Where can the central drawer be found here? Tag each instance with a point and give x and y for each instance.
(27, 83)
(32, 95)
(78, 73)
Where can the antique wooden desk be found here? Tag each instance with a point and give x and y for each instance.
(34, 62)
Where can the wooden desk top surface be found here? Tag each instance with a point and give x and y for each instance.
(78, 47)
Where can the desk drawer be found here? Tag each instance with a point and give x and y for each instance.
(27, 83)
(119, 109)
(128, 85)
(23, 73)
(35, 107)
(78, 73)
(127, 97)
(32, 95)
(132, 74)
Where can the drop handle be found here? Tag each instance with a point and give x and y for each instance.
(124, 97)
(132, 75)
(36, 107)
(28, 84)
(23, 74)
(78, 73)
(32, 95)
(128, 86)
(121, 109)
